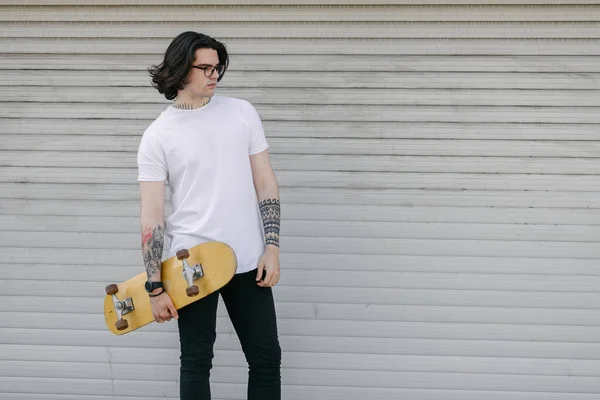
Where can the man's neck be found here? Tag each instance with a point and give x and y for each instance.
(191, 104)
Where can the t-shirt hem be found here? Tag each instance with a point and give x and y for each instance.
(246, 269)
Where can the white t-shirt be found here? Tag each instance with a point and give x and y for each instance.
(204, 156)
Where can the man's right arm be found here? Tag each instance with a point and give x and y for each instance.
(152, 196)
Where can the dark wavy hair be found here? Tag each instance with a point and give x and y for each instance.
(169, 76)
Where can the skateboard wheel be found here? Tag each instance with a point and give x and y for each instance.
(192, 291)
(122, 324)
(182, 254)
(112, 289)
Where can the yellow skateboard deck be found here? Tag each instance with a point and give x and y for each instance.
(208, 267)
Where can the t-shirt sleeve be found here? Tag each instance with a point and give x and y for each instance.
(258, 142)
(152, 165)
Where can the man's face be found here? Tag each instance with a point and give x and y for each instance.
(200, 85)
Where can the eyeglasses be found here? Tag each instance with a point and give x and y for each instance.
(209, 69)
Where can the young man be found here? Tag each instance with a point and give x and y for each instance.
(212, 151)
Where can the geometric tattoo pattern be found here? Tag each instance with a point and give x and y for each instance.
(270, 212)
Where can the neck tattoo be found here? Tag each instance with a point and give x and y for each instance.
(189, 106)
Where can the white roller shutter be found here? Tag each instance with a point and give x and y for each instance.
(439, 171)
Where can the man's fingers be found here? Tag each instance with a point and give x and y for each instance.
(274, 277)
(156, 315)
(173, 311)
(165, 315)
(270, 280)
(265, 280)
(259, 271)
(165, 311)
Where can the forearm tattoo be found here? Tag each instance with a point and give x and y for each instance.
(152, 248)
(270, 212)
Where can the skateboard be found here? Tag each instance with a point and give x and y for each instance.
(189, 276)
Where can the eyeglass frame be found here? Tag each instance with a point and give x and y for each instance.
(205, 68)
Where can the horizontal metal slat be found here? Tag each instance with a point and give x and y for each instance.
(332, 96)
(306, 13)
(364, 113)
(338, 328)
(325, 212)
(123, 356)
(316, 63)
(345, 228)
(293, 29)
(237, 80)
(331, 245)
(333, 179)
(357, 46)
(297, 2)
(311, 376)
(341, 195)
(119, 130)
(305, 162)
(301, 311)
(315, 344)
(83, 150)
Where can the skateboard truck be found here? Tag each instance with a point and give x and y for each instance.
(121, 307)
(190, 273)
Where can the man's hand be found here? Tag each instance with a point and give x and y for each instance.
(163, 308)
(270, 264)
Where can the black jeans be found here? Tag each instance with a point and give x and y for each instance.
(252, 312)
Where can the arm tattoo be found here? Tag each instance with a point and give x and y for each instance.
(270, 211)
(152, 248)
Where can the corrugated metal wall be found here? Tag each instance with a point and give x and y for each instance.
(439, 170)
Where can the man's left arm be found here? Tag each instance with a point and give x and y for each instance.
(267, 191)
